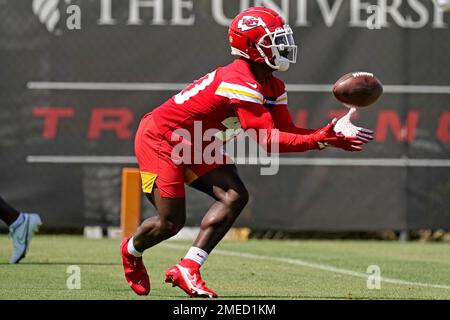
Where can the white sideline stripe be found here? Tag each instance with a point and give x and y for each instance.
(172, 86)
(336, 162)
(314, 265)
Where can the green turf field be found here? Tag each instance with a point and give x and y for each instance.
(256, 269)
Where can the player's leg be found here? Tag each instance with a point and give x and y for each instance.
(170, 219)
(7, 213)
(163, 184)
(22, 227)
(225, 186)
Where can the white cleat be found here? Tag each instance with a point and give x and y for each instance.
(22, 234)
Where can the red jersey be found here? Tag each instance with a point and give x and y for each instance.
(231, 98)
(227, 98)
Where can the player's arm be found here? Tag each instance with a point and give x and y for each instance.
(248, 106)
(281, 115)
(283, 120)
(255, 116)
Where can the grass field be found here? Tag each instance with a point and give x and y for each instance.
(256, 269)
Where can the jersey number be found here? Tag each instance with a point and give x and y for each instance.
(195, 88)
(232, 123)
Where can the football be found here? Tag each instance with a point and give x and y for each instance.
(358, 89)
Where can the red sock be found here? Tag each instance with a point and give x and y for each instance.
(188, 263)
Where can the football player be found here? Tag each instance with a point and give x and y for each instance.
(244, 94)
(22, 227)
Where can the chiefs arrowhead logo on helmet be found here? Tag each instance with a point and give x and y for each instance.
(248, 23)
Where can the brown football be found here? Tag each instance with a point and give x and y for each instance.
(359, 89)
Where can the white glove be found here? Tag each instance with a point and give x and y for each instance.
(345, 126)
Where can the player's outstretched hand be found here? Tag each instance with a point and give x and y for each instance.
(326, 136)
(345, 126)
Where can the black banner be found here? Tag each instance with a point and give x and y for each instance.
(77, 77)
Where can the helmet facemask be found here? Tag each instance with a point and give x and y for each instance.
(281, 43)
